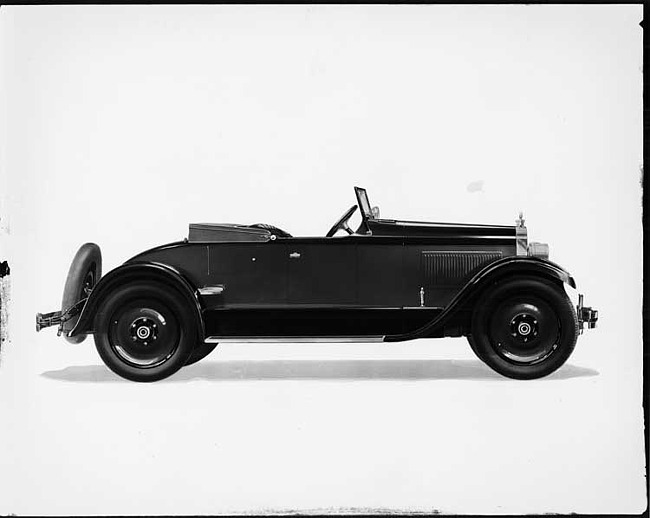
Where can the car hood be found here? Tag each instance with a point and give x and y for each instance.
(390, 227)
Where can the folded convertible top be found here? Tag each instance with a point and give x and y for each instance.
(226, 232)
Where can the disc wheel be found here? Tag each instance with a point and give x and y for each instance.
(524, 329)
(144, 332)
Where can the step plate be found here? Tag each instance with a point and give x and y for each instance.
(293, 339)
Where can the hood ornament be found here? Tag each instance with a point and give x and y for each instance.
(520, 220)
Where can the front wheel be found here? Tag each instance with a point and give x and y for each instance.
(144, 332)
(524, 329)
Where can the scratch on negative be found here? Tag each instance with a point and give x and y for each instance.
(5, 297)
(351, 511)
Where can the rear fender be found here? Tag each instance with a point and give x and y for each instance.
(509, 267)
(143, 271)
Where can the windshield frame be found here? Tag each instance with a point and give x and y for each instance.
(364, 203)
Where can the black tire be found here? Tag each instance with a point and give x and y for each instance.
(144, 331)
(199, 352)
(524, 329)
(84, 272)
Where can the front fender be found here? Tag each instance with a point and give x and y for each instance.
(141, 271)
(525, 265)
(514, 266)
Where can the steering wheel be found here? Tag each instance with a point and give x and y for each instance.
(342, 223)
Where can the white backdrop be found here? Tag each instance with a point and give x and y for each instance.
(122, 124)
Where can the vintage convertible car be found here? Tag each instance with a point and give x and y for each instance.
(388, 281)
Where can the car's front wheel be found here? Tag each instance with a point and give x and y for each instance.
(525, 328)
(144, 332)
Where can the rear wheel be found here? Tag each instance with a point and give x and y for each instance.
(144, 332)
(199, 352)
(472, 344)
(524, 329)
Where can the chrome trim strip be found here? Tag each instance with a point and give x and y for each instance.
(212, 290)
(301, 307)
(293, 339)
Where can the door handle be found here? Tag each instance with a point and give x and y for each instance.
(294, 255)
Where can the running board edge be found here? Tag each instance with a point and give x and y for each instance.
(294, 339)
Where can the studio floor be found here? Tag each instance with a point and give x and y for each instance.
(414, 427)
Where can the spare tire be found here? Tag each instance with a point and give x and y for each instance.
(85, 271)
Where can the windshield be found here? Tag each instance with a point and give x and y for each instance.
(364, 204)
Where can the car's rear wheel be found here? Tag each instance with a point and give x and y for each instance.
(144, 332)
(199, 352)
(524, 329)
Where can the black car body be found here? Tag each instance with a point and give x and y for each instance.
(389, 280)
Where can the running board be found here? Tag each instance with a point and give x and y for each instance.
(293, 339)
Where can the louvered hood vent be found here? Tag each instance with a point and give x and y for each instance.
(444, 268)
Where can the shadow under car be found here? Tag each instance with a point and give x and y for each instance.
(333, 370)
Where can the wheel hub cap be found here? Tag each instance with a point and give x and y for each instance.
(144, 330)
(524, 327)
(524, 330)
(143, 337)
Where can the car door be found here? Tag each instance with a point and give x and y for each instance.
(322, 272)
(348, 286)
(380, 272)
(252, 274)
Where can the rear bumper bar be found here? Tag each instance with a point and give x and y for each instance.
(586, 315)
(44, 320)
(57, 318)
